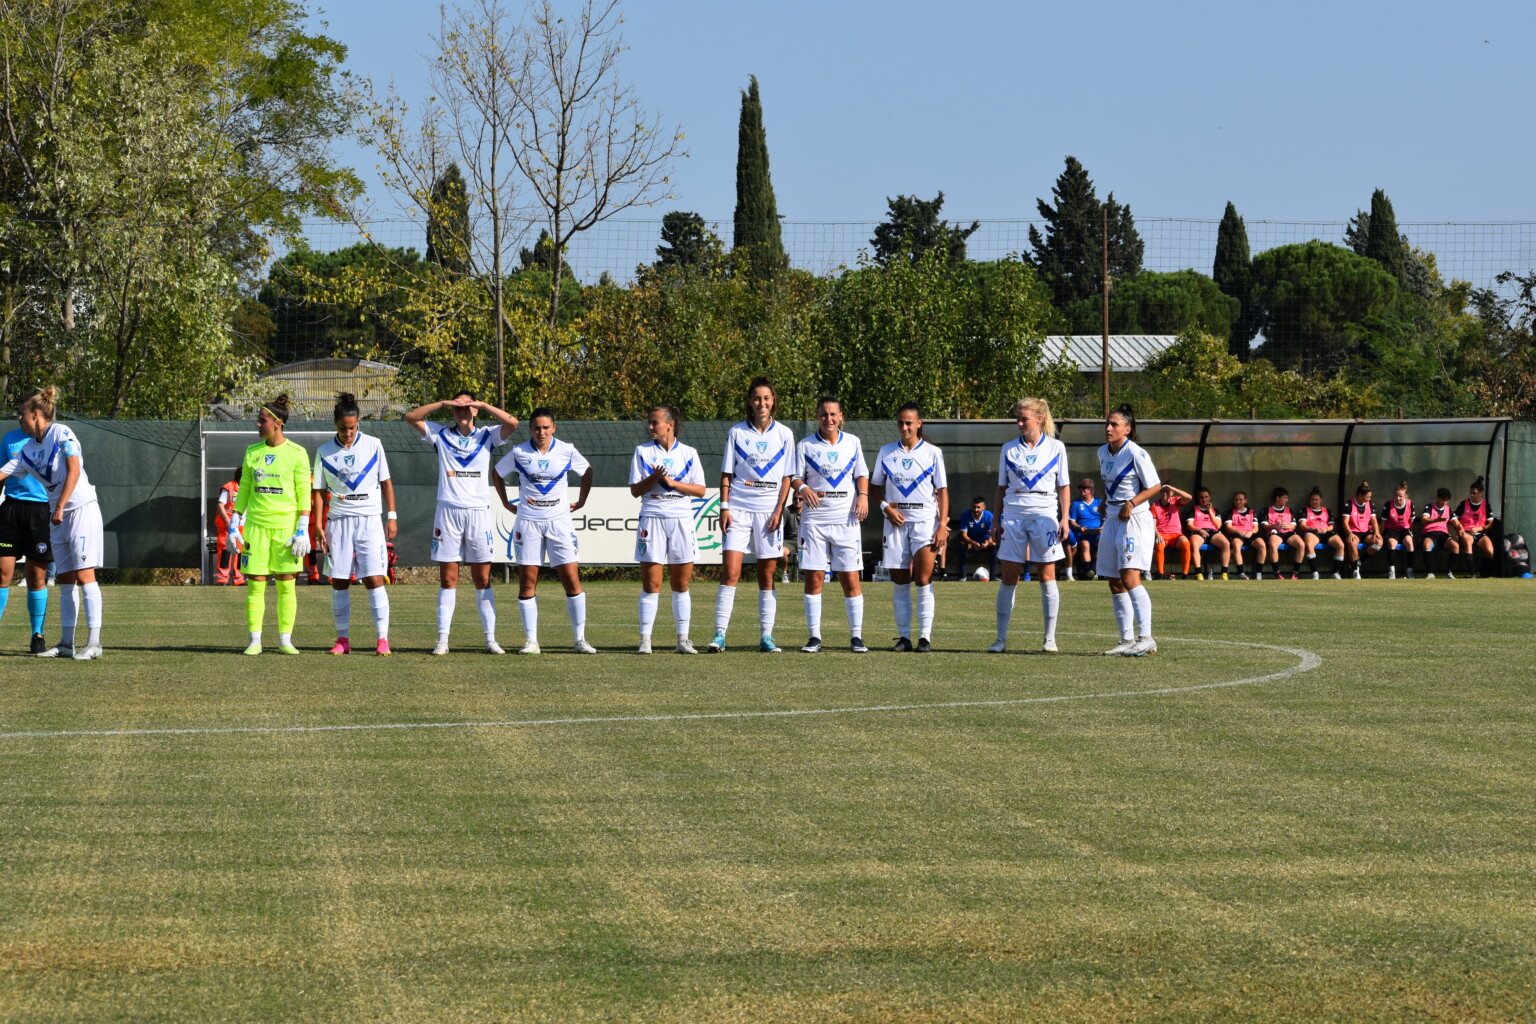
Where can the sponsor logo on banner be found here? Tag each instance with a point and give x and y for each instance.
(608, 528)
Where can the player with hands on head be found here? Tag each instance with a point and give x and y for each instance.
(666, 475)
(462, 529)
(1125, 550)
(270, 527)
(544, 528)
(833, 487)
(352, 491)
(25, 532)
(52, 454)
(912, 490)
(1034, 490)
(1168, 515)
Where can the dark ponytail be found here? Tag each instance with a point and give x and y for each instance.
(1480, 485)
(1128, 415)
(346, 405)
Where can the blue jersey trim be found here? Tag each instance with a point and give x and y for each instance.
(1029, 482)
(351, 481)
(744, 457)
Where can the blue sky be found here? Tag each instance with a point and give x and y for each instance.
(1294, 112)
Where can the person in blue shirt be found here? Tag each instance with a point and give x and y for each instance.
(1086, 521)
(24, 533)
(976, 543)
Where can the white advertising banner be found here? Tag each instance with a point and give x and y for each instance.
(606, 524)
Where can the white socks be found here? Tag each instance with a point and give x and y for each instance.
(446, 599)
(1004, 610)
(682, 612)
(725, 600)
(855, 609)
(485, 604)
(813, 614)
(92, 594)
(378, 603)
(1142, 602)
(341, 612)
(901, 598)
(1125, 615)
(648, 605)
(528, 611)
(576, 611)
(767, 611)
(925, 611)
(68, 611)
(1050, 604)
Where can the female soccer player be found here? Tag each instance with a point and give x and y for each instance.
(1204, 527)
(544, 528)
(270, 527)
(1436, 530)
(1316, 527)
(1397, 528)
(1125, 550)
(1086, 520)
(911, 471)
(1361, 527)
(52, 454)
(833, 485)
(665, 474)
(1170, 528)
(754, 483)
(25, 532)
(463, 528)
(1033, 496)
(1472, 527)
(1280, 531)
(351, 490)
(1242, 530)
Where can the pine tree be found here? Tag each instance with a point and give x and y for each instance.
(1069, 257)
(685, 242)
(448, 222)
(758, 236)
(914, 227)
(1233, 273)
(1382, 242)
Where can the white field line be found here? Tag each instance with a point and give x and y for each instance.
(1306, 662)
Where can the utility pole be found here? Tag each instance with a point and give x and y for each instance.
(1105, 251)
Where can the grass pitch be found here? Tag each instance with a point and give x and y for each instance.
(1349, 844)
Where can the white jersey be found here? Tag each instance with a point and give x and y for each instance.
(45, 460)
(352, 476)
(760, 462)
(1127, 473)
(1033, 476)
(541, 477)
(463, 464)
(912, 479)
(681, 463)
(832, 469)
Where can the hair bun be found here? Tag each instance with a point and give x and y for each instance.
(346, 398)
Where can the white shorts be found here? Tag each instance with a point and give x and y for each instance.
(666, 541)
(749, 532)
(462, 535)
(355, 546)
(77, 540)
(830, 547)
(534, 539)
(1125, 545)
(904, 541)
(1038, 532)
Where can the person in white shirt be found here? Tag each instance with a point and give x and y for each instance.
(351, 477)
(462, 529)
(668, 478)
(833, 485)
(755, 473)
(1033, 499)
(544, 528)
(912, 489)
(1125, 548)
(53, 455)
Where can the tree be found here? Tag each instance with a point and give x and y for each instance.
(685, 242)
(1382, 242)
(1069, 256)
(543, 257)
(587, 148)
(1154, 303)
(1311, 300)
(913, 227)
(448, 222)
(758, 242)
(1233, 274)
(1414, 269)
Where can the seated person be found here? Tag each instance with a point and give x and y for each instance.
(1279, 526)
(1242, 531)
(1361, 528)
(1397, 531)
(1472, 527)
(1085, 521)
(1436, 529)
(1317, 528)
(1203, 526)
(977, 545)
(1169, 523)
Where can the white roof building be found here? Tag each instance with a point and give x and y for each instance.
(1128, 353)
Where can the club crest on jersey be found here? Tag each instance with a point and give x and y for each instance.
(1029, 460)
(544, 464)
(762, 446)
(271, 459)
(349, 460)
(832, 457)
(461, 441)
(906, 463)
(667, 463)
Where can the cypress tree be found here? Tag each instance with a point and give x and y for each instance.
(448, 222)
(1382, 242)
(1233, 274)
(1069, 256)
(757, 233)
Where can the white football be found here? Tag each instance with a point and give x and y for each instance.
(982, 574)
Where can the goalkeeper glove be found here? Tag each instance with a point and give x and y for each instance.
(234, 540)
(299, 542)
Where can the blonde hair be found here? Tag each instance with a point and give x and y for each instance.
(44, 401)
(1041, 408)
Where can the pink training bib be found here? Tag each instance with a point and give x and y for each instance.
(1167, 516)
(1202, 518)
(1280, 517)
(1243, 520)
(1359, 517)
(1439, 520)
(1473, 517)
(1316, 518)
(1397, 518)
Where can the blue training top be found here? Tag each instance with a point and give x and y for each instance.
(22, 488)
(1088, 514)
(978, 528)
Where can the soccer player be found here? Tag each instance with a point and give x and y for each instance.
(1204, 527)
(270, 528)
(1242, 530)
(1397, 529)
(976, 535)
(462, 528)
(1033, 497)
(1086, 520)
(52, 454)
(1279, 526)
(755, 473)
(1125, 551)
(352, 489)
(1316, 527)
(1472, 526)
(25, 533)
(544, 528)
(911, 472)
(229, 568)
(664, 474)
(1170, 528)
(833, 486)
(1436, 530)
(1361, 527)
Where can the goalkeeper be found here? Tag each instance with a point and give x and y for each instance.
(270, 528)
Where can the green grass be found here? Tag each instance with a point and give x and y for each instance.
(1349, 844)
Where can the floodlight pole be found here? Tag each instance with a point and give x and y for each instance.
(1105, 252)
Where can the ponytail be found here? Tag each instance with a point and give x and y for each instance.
(278, 407)
(346, 405)
(1128, 417)
(1040, 407)
(44, 401)
(672, 414)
